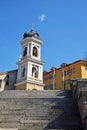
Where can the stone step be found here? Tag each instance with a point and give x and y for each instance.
(34, 94)
(39, 110)
(45, 124)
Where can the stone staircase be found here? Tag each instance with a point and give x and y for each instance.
(39, 110)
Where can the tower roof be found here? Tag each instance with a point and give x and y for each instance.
(32, 33)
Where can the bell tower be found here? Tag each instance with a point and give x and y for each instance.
(30, 67)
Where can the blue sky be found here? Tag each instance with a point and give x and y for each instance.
(61, 24)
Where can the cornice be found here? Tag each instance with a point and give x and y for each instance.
(29, 81)
(30, 39)
(31, 60)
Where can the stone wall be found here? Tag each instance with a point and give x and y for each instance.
(79, 88)
(7, 80)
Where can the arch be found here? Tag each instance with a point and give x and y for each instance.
(23, 72)
(25, 51)
(35, 51)
(7, 80)
(34, 89)
(34, 72)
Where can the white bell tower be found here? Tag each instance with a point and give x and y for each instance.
(30, 67)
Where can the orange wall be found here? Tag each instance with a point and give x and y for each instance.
(79, 73)
(84, 71)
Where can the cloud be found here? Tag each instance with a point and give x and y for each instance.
(42, 17)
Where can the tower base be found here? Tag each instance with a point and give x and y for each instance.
(29, 86)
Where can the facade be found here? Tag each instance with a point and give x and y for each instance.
(59, 78)
(7, 80)
(29, 75)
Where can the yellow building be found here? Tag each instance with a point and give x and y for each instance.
(59, 78)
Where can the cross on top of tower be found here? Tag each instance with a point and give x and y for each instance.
(32, 33)
(32, 26)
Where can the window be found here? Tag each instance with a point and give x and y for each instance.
(25, 51)
(54, 76)
(35, 52)
(74, 70)
(86, 69)
(50, 87)
(7, 82)
(69, 72)
(64, 73)
(8, 76)
(47, 78)
(50, 77)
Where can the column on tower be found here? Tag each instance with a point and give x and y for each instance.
(19, 72)
(26, 67)
(29, 69)
(39, 51)
(31, 50)
(40, 73)
(27, 49)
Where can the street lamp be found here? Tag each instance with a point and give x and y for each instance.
(62, 66)
(53, 76)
